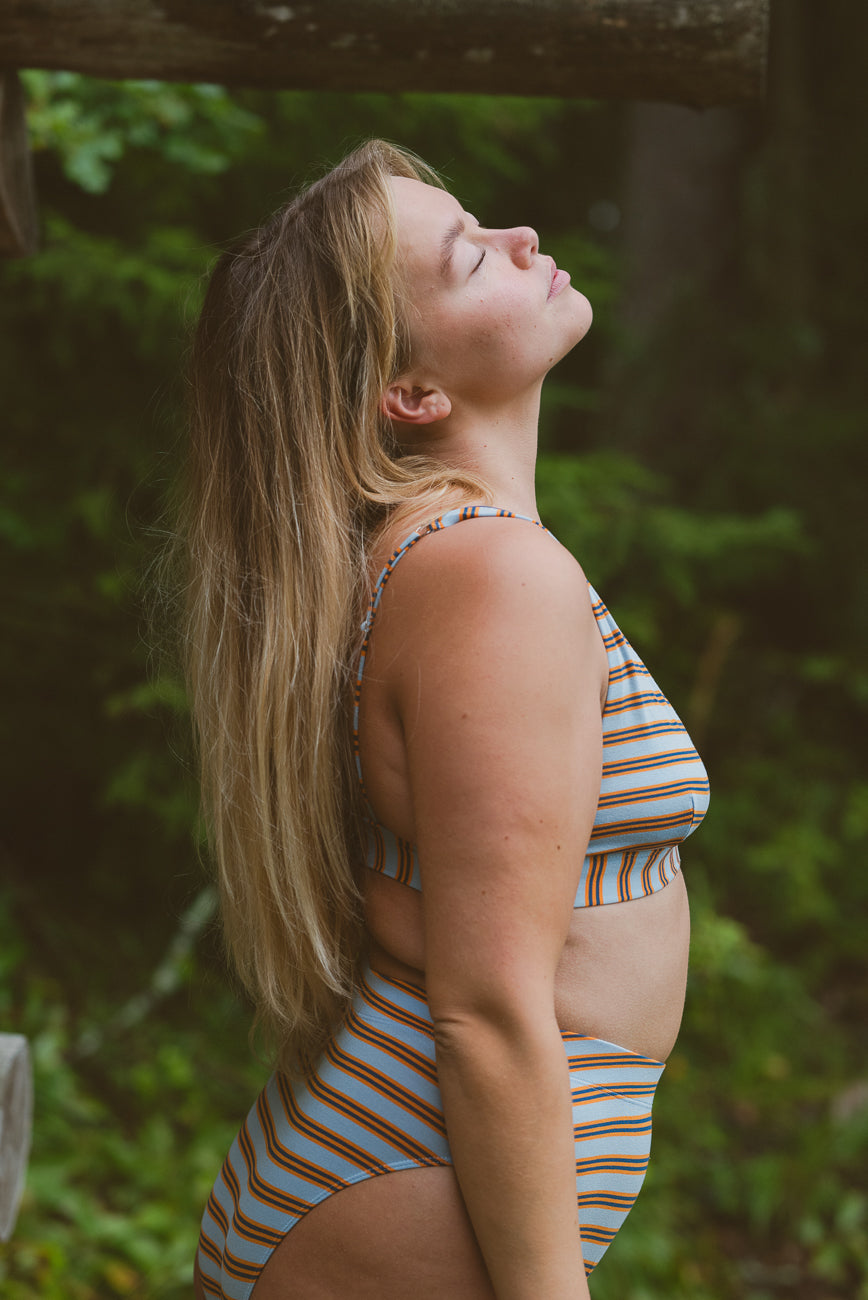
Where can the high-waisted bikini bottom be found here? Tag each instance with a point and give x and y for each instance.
(373, 1106)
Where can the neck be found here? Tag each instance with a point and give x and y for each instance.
(500, 446)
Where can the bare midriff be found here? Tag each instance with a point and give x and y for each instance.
(622, 973)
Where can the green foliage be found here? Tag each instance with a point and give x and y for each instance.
(91, 125)
(734, 566)
(124, 1139)
(609, 509)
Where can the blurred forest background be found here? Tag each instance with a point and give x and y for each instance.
(703, 456)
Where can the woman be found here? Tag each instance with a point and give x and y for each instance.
(471, 1023)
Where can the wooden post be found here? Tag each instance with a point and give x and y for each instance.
(16, 1123)
(18, 224)
(696, 52)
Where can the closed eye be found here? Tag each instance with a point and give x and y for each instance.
(479, 263)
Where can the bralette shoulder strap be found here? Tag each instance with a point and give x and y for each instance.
(443, 521)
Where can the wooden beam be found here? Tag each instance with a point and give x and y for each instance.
(696, 52)
(16, 1125)
(18, 224)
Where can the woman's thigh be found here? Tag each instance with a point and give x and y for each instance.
(391, 1237)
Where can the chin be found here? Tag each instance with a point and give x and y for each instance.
(584, 315)
(582, 318)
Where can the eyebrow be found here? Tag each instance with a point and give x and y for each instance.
(447, 244)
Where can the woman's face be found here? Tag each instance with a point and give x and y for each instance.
(488, 315)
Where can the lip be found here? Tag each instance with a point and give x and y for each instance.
(560, 280)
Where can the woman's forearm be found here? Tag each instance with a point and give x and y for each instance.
(506, 1098)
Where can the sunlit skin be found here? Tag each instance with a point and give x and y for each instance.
(481, 743)
(491, 425)
(486, 328)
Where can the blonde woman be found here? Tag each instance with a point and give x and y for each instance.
(445, 795)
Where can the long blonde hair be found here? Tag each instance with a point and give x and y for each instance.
(292, 470)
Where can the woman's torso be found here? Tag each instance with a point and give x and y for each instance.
(623, 969)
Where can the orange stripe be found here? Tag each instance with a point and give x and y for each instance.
(208, 1247)
(326, 1138)
(218, 1214)
(655, 793)
(392, 1047)
(598, 1235)
(370, 1121)
(608, 1200)
(630, 1165)
(387, 1087)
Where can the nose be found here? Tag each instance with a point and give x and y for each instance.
(523, 243)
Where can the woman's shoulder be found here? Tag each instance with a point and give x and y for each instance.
(472, 562)
(487, 600)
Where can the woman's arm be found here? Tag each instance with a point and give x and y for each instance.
(498, 689)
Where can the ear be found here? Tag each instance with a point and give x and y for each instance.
(414, 405)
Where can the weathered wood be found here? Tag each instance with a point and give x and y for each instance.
(16, 1123)
(696, 52)
(18, 225)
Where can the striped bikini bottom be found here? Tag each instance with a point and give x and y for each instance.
(373, 1106)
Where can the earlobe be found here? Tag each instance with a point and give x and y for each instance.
(414, 405)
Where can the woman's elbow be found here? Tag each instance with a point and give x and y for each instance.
(494, 1028)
